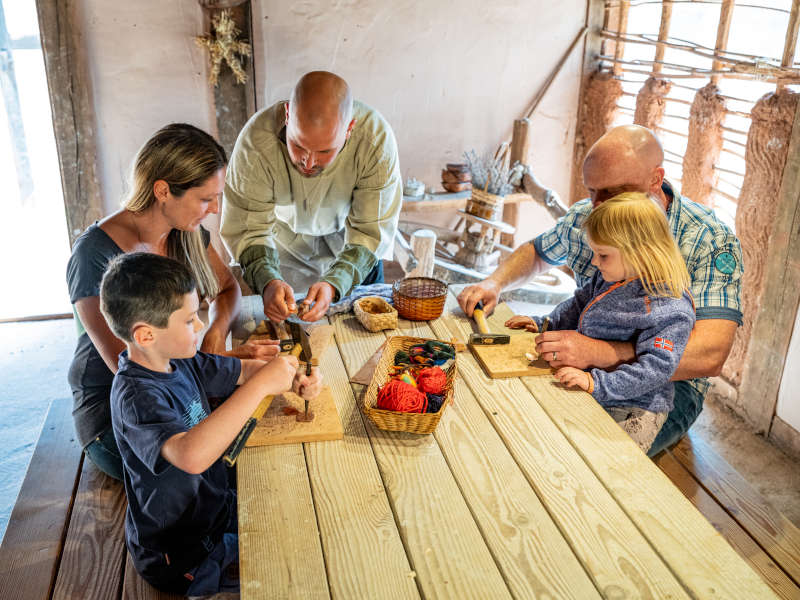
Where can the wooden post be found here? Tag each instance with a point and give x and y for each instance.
(234, 102)
(69, 88)
(724, 27)
(520, 145)
(423, 245)
(597, 16)
(791, 39)
(773, 321)
(663, 34)
(622, 27)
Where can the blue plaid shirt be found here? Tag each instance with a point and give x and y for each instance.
(711, 250)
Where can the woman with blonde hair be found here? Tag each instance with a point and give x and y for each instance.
(639, 294)
(177, 180)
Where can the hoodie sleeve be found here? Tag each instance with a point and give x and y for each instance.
(567, 314)
(659, 348)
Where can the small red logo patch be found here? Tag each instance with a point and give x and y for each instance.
(663, 344)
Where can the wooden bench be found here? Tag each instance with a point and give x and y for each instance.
(65, 537)
(759, 533)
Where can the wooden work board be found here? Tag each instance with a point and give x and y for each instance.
(279, 425)
(509, 360)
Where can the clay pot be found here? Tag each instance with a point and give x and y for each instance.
(456, 187)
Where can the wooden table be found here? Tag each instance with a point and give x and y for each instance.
(525, 490)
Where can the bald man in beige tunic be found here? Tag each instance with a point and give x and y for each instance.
(629, 159)
(312, 197)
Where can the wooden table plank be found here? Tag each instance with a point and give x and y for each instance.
(444, 545)
(279, 545)
(533, 556)
(94, 550)
(772, 530)
(614, 553)
(363, 549)
(699, 556)
(32, 545)
(738, 538)
(136, 588)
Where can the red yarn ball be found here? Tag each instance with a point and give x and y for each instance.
(400, 396)
(431, 380)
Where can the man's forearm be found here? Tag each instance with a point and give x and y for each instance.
(709, 345)
(260, 265)
(611, 354)
(518, 268)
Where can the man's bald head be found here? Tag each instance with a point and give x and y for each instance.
(318, 121)
(626, 159)
(321, 99)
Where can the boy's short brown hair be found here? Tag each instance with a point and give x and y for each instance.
(141, 287)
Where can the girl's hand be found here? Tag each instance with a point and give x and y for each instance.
(307, 387)
(572, 377)
(522, 322)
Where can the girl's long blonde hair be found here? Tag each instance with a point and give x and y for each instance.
(185, 157)
(633, 223)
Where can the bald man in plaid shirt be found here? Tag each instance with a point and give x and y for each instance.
(629, 159)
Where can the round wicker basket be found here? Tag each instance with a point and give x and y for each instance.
(419, 298)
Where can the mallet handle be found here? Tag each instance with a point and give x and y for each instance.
(480, 319)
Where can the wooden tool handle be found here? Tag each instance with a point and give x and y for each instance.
(480, 319)
(232, 453)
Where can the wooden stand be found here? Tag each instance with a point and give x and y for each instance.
(480, 242)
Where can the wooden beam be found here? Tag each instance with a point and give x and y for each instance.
(69, 86)
(790, 44)
(622, 27)
(520, 145)
(724, 27)
(597, 15)
(663, 34)
(774, 320)
(234, 103)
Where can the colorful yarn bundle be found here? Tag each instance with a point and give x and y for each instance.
(399, 396)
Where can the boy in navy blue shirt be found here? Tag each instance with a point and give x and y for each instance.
(181, 520)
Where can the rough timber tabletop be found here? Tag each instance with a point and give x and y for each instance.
(524, 490)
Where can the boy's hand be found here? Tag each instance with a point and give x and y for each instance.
(572, 377)
(278, 374)
(307, 387)
(522, 322)
(264, 350)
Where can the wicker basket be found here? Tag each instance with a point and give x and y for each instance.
(419, 298)
(485, 205)
(375, 313)
(401, 421)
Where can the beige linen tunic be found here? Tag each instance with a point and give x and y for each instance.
(333, 227)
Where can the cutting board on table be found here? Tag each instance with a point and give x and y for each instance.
(279, 425)
(508, 360)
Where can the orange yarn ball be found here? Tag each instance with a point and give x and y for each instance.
(399, 396)
(431, 380)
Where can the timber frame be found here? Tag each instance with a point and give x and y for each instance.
(69, 86)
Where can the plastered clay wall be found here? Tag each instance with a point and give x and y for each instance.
(448, 77)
